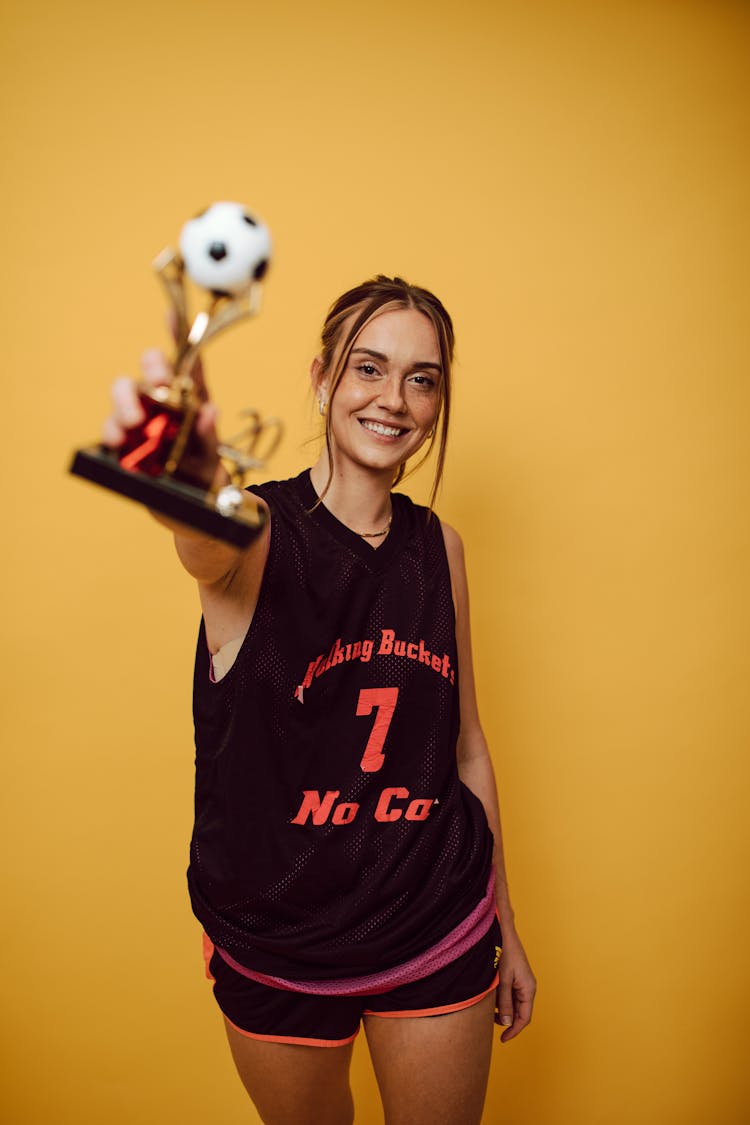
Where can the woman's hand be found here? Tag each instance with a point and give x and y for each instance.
(201, 460)
(516, 990)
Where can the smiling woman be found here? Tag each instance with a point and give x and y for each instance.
(385, 404)
(346, 860)
(419, 364)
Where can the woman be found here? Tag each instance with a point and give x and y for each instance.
(347, 860)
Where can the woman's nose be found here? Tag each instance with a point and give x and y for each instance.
(391, 395)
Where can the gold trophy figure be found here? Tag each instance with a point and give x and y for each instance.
(226, 251)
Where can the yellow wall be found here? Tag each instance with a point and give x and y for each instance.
(572, 179)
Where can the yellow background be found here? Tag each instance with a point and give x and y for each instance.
(572, 180)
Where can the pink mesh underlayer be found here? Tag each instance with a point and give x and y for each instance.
(460, 939)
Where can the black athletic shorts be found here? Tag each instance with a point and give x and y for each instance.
(262, 1012)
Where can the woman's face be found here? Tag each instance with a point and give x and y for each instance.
(387, 399)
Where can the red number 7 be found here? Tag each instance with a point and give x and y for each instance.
(384, 699)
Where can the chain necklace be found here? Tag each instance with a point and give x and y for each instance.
(377, 534)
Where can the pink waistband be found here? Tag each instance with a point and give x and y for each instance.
(460, 939)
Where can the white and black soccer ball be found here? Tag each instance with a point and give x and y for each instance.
(225, 248)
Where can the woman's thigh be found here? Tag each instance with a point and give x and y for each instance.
(432, 1070)
(292, 1084)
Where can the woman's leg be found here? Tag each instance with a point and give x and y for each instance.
(432, 1070)
(292, 1084)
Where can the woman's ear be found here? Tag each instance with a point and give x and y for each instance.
(316, 374)
(319, 383)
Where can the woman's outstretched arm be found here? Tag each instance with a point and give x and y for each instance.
(228, 577)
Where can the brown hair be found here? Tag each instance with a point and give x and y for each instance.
(347, 317)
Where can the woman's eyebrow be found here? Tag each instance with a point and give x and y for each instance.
(369, 351)
(381, 356)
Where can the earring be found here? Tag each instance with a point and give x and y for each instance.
(431, 433)
(322, 401)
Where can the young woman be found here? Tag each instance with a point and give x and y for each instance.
(347, 860)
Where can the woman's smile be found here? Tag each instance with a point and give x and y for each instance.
(381, 429)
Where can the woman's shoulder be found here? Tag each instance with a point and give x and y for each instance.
(428, 519)
(454, 545)
(283, 496)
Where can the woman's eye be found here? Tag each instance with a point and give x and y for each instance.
(425, 381)
(367, 369)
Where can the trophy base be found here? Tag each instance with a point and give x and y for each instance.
(170, 497)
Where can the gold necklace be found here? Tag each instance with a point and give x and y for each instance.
(377, 534)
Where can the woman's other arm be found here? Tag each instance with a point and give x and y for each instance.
(517, 983)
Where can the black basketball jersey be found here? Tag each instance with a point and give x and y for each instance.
(332, 833)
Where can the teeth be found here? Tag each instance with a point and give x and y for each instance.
(378, 428)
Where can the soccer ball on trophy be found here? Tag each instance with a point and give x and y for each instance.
(225, 249)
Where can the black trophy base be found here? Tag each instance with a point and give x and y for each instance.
(170, 497)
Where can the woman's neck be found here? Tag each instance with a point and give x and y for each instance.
(359, 499)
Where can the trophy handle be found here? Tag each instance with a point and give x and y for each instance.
(222, 314)
(171, 271)
(252, 446)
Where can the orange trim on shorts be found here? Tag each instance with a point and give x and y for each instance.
(208, 952)
(437, 1011)
(293, 1039)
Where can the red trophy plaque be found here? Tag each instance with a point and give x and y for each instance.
(224, 250)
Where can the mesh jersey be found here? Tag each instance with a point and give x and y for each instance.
(332, 834)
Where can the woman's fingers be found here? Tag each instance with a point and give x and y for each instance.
(515, 993)
(205, 422)
(156, 368)
(113, 434)
(127, 411)
(521, 1017)
(505, 1002)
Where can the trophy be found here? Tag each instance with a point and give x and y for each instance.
(225, 250)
